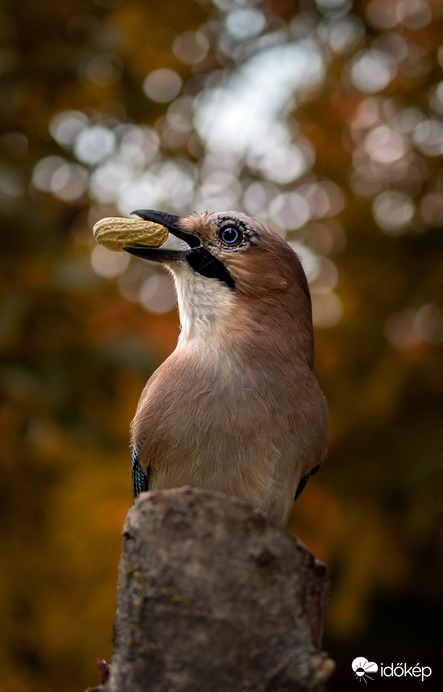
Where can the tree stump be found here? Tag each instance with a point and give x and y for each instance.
(213, 597)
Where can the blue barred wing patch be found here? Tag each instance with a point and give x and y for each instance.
(139, 477)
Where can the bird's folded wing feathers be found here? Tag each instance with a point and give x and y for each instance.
(304, 480)
(139, 477)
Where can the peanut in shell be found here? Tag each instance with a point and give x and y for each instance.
(115, 233)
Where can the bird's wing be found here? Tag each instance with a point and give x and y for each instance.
(304, 480)
(139, 478)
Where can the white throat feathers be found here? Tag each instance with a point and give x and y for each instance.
(204, 305)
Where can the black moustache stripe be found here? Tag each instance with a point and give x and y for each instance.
(203, 262)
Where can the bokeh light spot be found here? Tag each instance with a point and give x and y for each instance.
(44, 170)
(371, 71)
(107, 263)
(94, 144)
(327, 310)
(66, 126)
(310, 261)
(284, 164)
(191, 47)
(414, 14)
(428, 137)
(393, 210)
(429, 321)
(381, 14)
(344, 33)
(136, 193)
(333, 5)
(401, 330)
(104, 69)
(158, 294)
(384, 145)
(162, 85)
(245, 22)
(431, 208)
(289, 211)
(69, 181)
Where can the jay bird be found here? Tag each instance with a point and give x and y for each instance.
(236, 407)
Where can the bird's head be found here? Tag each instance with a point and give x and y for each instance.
(235, 278)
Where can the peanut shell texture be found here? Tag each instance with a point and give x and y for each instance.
(115, 233)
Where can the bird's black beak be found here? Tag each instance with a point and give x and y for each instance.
(170, 222)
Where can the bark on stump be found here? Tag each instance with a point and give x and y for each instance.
(213, 597)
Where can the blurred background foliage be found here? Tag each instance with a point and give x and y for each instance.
(322, 118)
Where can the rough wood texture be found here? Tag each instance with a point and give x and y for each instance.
(213, 597)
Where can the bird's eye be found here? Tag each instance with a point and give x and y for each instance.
(230, 235)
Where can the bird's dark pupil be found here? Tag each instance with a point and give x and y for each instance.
(229, 235)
